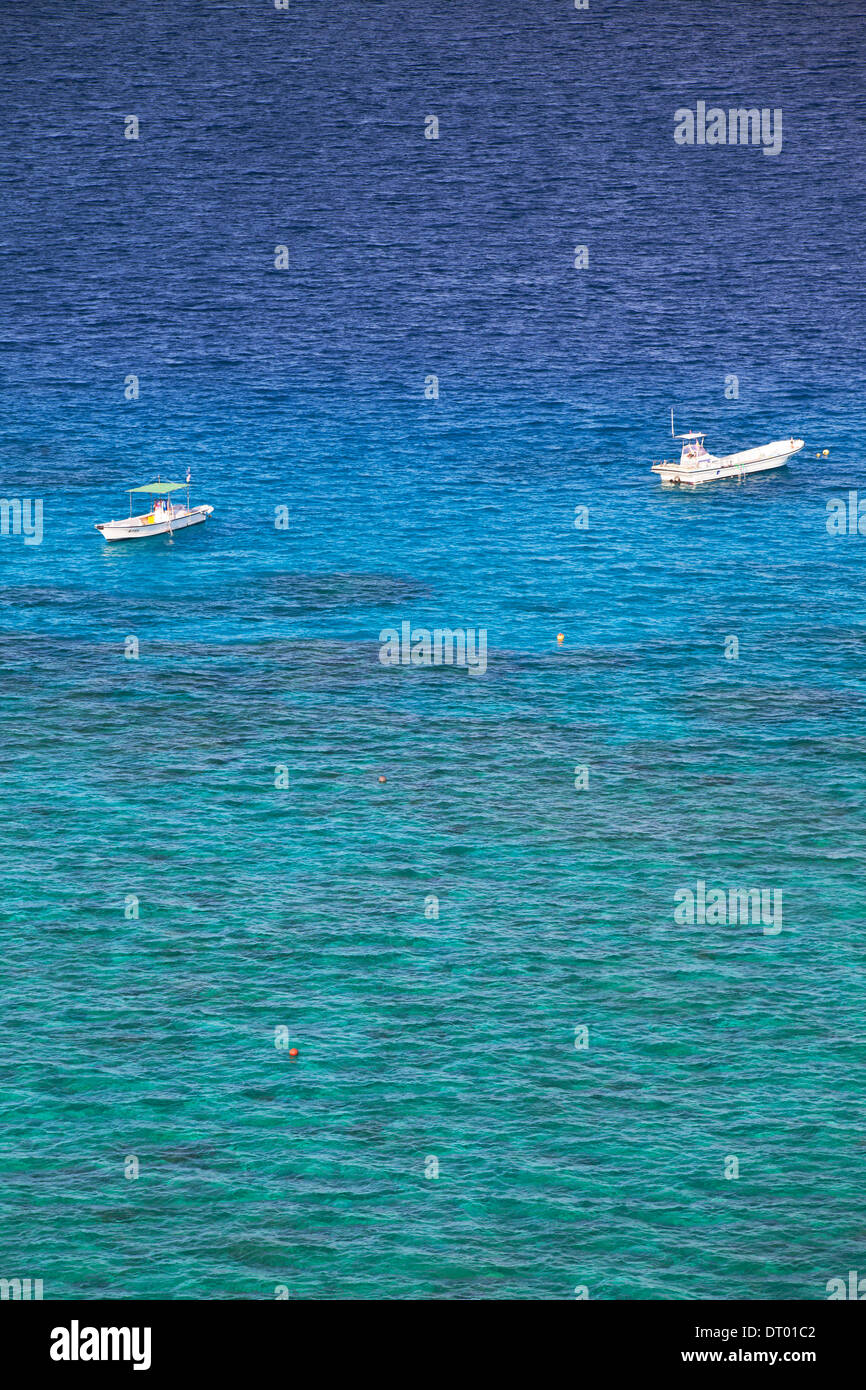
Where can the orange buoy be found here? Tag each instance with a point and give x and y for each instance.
(293, 1052)
(383, 779)
(560, 637)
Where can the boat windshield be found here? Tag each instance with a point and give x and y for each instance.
(693, 446)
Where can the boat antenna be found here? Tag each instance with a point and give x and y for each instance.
(672, 422)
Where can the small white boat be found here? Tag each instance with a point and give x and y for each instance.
(697, 465)
(164, 515)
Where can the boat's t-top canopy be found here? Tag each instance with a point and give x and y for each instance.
(158, 489)
(692, 434)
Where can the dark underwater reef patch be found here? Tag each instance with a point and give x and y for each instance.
(304, 592)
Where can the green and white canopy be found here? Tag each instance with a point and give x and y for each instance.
(157, 488)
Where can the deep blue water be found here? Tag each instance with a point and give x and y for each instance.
(304, 907)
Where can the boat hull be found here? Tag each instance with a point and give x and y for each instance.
(713, 469)
(134, 528)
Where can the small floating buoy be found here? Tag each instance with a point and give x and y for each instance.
(560, 637)
(383, 779)
(293, 1052)
(826, 453)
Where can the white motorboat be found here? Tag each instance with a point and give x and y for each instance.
(697, 465)
(164, 515)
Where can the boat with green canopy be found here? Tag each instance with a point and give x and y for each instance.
(165, 514)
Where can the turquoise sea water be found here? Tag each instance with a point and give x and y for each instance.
(303, 907)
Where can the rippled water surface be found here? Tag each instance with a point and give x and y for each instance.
(302, 906)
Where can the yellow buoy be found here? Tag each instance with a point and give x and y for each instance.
(826, 453)
(560, 637)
